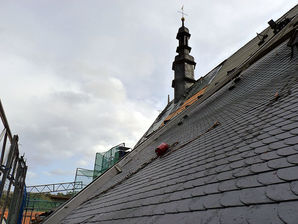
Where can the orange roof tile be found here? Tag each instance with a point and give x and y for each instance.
(187, 103)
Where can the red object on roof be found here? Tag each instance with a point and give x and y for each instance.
(161, 149)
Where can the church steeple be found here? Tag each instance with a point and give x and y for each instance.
(183, 65)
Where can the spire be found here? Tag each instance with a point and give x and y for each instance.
(184, 63)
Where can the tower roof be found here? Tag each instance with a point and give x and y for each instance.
(183, 30)
(183, 64)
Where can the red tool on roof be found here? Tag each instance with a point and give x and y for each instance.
(162, 149)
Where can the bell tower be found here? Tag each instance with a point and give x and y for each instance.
(183, 65)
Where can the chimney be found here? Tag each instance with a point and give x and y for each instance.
(183, 65)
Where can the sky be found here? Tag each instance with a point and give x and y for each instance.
(80, 76)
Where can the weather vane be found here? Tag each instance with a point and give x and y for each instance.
(182, 14)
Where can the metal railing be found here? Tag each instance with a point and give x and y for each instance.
(13, 171)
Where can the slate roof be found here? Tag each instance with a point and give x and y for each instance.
(235, 161)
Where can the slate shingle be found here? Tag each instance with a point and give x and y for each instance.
(280, 192)
(292, 141)
(288, 174)
(294, 187)
(293, 159)
(265, 214)
(286, 151)
(287, 212)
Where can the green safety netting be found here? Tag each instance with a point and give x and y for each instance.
(84, 175)
(104, 161)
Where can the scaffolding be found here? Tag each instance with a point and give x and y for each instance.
(13, 171)
(56, 187)
(40, 198)
(83, 176)
(104, 161)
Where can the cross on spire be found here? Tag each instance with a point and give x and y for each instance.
(182, 14)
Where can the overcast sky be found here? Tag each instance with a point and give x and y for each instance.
(78, 77)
